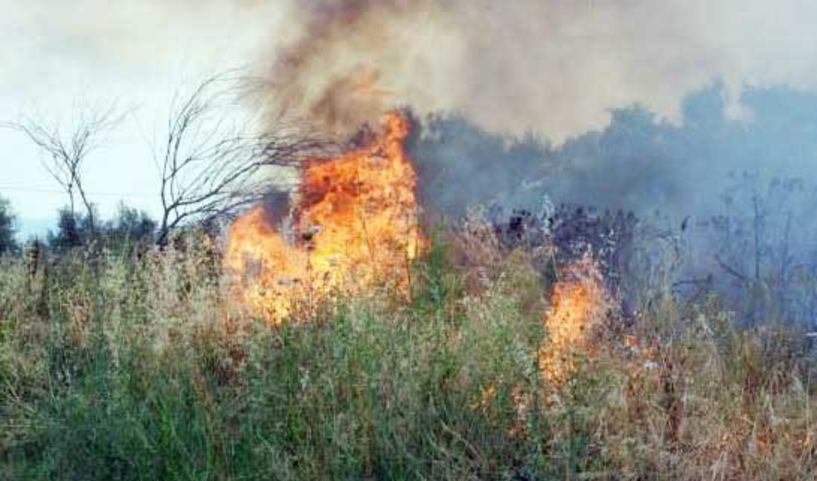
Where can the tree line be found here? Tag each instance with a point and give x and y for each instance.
(128, 227)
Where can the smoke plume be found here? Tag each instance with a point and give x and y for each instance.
(553, 66)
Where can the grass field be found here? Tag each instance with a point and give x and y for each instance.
(124, 367)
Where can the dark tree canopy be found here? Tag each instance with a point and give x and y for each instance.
(72, 230)
(130, 226)
(8, 242)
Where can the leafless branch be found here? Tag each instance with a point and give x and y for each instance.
(210, 164)
(67, 149)
(731, 270)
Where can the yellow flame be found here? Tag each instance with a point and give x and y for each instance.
(577, 303)
(355, 226)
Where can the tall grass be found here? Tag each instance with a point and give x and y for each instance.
(140, 367)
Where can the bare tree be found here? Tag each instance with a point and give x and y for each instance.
(66, 150)
(763, 242)
(211, 161)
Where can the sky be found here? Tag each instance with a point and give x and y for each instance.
(557, 68)
(61, 57)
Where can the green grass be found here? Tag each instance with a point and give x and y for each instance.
(142, 369)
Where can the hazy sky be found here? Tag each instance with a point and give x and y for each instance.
(556, 67)
(58, 55)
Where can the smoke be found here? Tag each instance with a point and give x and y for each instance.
(346, 62)
(556, 67)
(642, 105)
(563, 69)
(636, 163)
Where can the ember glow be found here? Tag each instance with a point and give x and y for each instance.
(578, 302)
(355, 226)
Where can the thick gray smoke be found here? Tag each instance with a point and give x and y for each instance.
(634, 104)
(636, 163)
(556, 67)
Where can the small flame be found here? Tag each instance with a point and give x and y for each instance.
(355, 226)
(578, 302)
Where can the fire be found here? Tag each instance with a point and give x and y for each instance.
(355, 225)
(578, 302)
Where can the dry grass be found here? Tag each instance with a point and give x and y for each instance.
(140, 368)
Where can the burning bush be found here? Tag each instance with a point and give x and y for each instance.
(354, 225)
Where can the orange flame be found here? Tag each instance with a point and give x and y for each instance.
(355, 226)
(578, 302)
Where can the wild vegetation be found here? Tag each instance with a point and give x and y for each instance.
(138, 363)
(559, 343)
